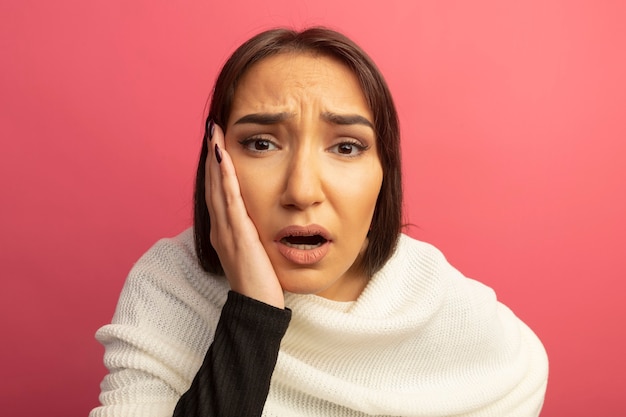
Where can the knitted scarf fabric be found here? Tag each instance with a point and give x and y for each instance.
(421, 340)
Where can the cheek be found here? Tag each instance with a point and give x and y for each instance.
(247, 185)
(257, 191)
(367, 204)
(357, 211)
(361, 190)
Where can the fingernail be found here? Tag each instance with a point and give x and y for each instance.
(218, 154)
(211, 128)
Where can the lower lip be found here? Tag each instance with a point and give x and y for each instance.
(303, 256)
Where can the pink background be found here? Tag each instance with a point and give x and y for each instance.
(514, 140)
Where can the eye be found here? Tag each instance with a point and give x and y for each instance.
(258, 144)
(348, 148)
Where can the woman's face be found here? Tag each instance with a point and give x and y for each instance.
(301, 137)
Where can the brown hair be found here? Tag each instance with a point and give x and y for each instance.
(387, 219)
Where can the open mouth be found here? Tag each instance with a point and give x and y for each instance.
(306, 242)
(304, 245)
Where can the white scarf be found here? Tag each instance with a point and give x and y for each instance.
(421, 340)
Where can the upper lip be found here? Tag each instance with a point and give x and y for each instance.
(308, 230)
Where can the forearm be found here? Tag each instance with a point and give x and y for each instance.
(235, 376)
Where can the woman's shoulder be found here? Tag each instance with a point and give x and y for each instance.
(170, 251)
(470, 302)
(473, 314)
(168, 277)
(165, 317)
(434, 285)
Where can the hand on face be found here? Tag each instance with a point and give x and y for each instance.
(233, 234)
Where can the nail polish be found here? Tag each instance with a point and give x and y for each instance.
(211, 128)
(218, 154)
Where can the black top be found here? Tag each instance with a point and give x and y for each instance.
(234, 378)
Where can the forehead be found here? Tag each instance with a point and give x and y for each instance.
(297, 79)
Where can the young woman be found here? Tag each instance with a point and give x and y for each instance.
(296, 293)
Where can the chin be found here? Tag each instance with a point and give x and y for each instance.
(300, 287)
(303, 282)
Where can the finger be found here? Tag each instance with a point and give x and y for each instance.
(213, 184)
(220, 236)
(233, 225)
(232, 201)
(230, 221)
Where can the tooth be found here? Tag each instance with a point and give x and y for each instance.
(301, 247)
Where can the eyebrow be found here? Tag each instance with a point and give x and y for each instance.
(346, 119)
(333, 118)
(264, 118)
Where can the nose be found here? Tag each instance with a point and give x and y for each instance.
(303, 187)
